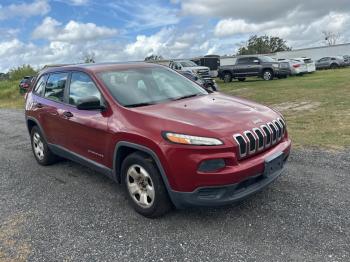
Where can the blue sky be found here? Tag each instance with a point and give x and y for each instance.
(40, 32)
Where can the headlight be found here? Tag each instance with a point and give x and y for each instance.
(275, 65)
(194, 71)
(191, 140)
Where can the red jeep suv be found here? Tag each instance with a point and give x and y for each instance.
(163, 137)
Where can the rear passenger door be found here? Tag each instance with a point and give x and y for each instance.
(86, 130)
(50, 105)
(242, 66)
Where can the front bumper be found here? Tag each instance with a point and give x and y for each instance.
(282, 72)
(224, 195)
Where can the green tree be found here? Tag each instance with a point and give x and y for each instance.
(263, 45)
(18, 73)
(154, 58)
(89, 58)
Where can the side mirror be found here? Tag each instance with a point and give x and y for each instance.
(90, 103)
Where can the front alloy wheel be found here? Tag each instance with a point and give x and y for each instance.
(268, 75)
(144, 185)
(140, 186)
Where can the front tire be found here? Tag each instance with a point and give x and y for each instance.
(267, 75)
(334, 66)
(41, 151)
(144, 186)
(227, 78)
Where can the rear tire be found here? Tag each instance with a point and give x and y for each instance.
(41, 151)
(144, 186)
(227, 78)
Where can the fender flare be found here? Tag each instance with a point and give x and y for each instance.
(147, 150)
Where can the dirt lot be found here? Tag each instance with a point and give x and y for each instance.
(68, 212)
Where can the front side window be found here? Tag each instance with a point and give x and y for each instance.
(82, 86)
(40, 85)
(55, 86)
(146, 86)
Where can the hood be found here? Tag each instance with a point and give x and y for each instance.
(218, 113)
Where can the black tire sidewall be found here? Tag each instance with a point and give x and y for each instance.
(227, 78)
(161, 203)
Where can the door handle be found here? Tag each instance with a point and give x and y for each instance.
(67, 114)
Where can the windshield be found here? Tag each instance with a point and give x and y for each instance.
(188, 64)
(147, 86)
(267, 59)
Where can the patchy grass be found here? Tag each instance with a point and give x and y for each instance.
(316, 106)
(10, 96)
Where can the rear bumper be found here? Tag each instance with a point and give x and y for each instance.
(224, 195)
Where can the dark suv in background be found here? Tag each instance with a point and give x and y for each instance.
(25, 83)
(258, 66)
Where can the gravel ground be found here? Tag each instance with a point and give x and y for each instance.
(69, 212)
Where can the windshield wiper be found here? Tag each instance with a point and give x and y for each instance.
(140, 104)
(183, 97)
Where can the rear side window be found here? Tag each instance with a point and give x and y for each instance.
(40, 85)
(55, 86)
(81, 86)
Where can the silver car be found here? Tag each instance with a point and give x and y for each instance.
(330, 62)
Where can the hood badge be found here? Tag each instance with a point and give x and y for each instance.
(257, 121)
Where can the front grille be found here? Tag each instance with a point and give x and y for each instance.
(260, 138)
(204, 73)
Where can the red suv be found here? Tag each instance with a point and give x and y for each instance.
(164, 137)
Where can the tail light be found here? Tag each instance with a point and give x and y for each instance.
(296, 65)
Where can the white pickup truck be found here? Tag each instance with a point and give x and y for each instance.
(201, 72)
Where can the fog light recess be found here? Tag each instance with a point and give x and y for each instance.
(211, 165)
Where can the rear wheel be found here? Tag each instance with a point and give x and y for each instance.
(144, 186)
(267, 75)
(227, 77)
(41, 151)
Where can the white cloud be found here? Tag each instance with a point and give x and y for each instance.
(24, 10)
(231, 26)
(73, 31)
(75, 2)
(144, 16)
(147, 45)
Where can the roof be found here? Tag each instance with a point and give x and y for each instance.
(100, 67)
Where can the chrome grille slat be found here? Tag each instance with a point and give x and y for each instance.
(279, 130)
(260, 138)
(239, 138)
(251, 141)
